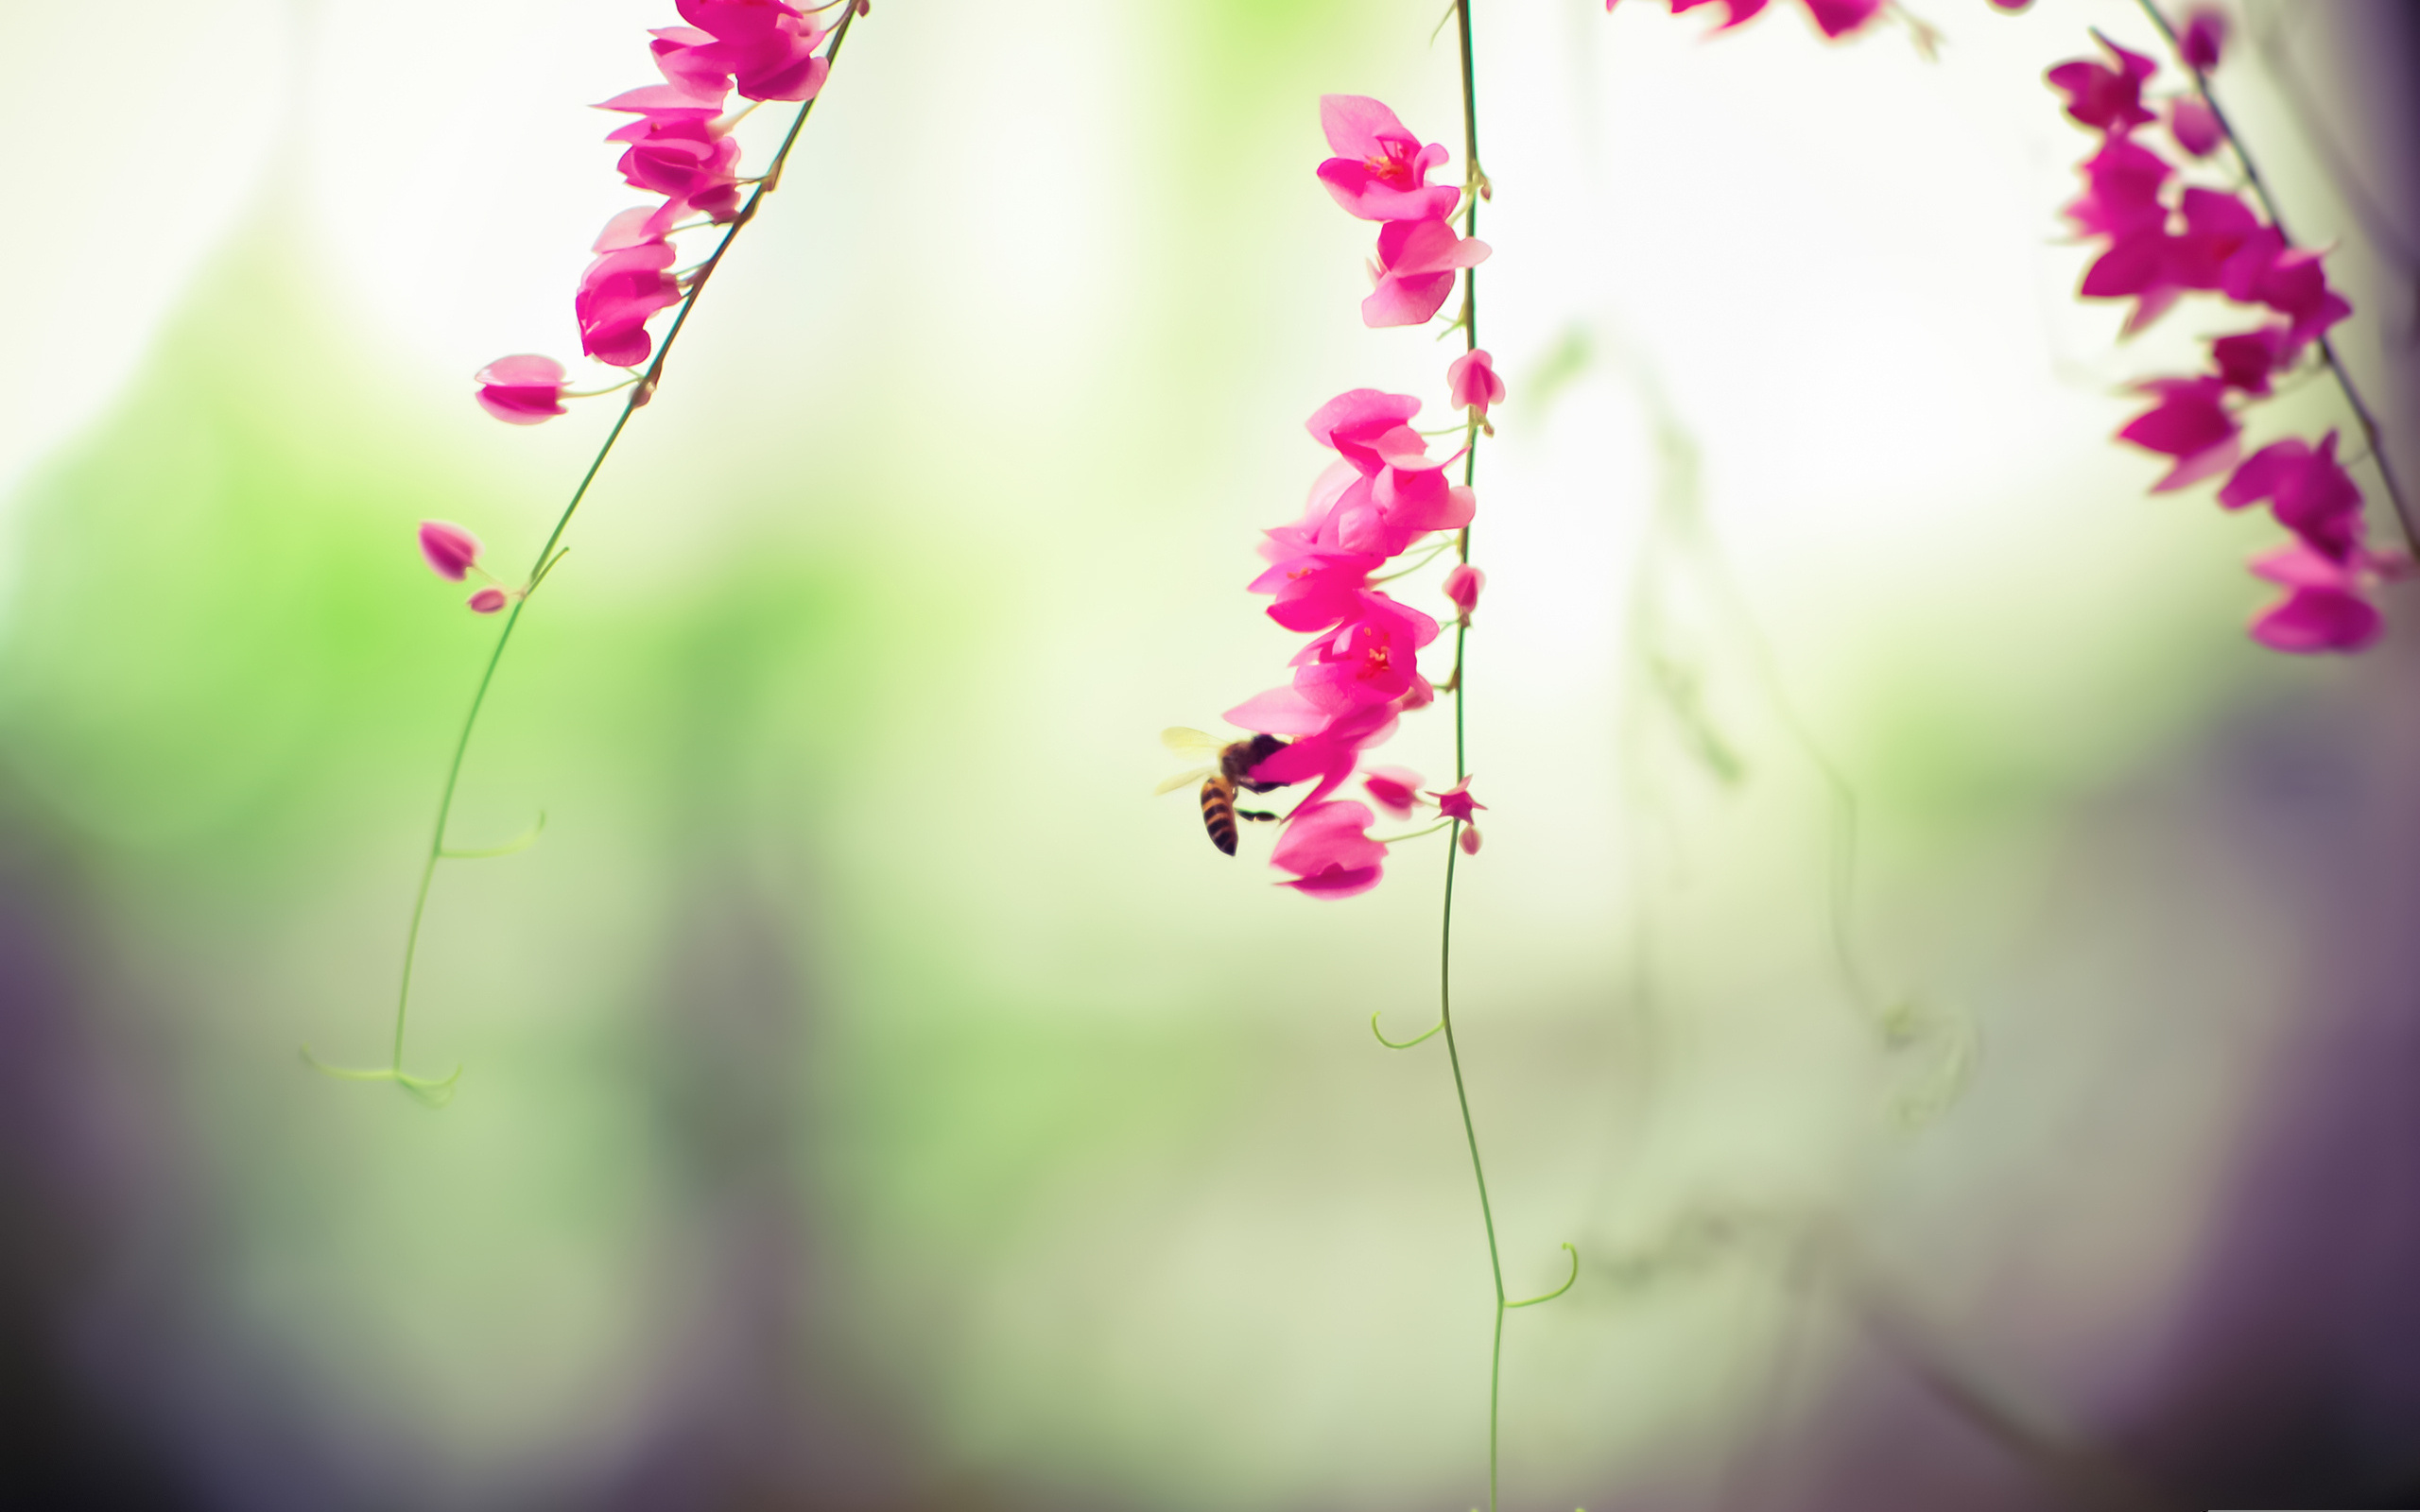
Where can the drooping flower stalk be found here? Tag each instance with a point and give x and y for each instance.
(1456, 801)
(771, 51)
(2162, 237)
(2198, 52)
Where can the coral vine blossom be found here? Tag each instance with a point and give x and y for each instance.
(2162, 239)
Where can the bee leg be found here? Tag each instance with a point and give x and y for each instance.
(1255, 814)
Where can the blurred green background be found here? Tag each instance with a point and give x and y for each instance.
(873, 1098)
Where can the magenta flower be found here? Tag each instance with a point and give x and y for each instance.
(2195, 126)
(617, 295)
(1329, 848)
(1373, 657)
(2190, 423)
(2204, 35)
(766, 50)
(487, 601)
(2308, 492)
(2122, 188)
(1381, 170)
(2246, 359)
(450, 550)
(685, 159)
(1366, 427)
(2324, 608)
(1471, 383)
(1456, 802)
(1329, 754)
(1415, 269)
(1838, 18)
(2107, 99)
(1462, 586)
(2295, 286)
(1395, 789)
(522, 390)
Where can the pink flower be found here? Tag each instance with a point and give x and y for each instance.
(685, 159)
(1838, 18)
(487, 601)
(1395, 789)
(1471, 382)
(2308, 492)
(1381, 170)
(2245, 359)
(2123, 186)
(1469, 841)
(1370, 658)
(1417, 260)
(1329, 848)
(1462, 586)
(2190, 423)
(2324, 608)
(617, 295)
(2107, 99)
(2204, 35)
(767, 50)
(1368, 428)
(2195, 126)
(1456, 802)
(1331, 752)
(450, 550)
(523, 390)
(2295, 286)
(1401, 492)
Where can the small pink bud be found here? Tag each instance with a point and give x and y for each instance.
(1463, 585)
(1471, 382)
(1393, 788)
(487, 601)
(450, 549)
(1470, 839)
(523, 390)
(2204, 35)
(2195, 126)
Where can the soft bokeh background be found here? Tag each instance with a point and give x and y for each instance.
(873, 1099)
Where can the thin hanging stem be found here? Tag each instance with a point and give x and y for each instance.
(2327, 349)
(1468, 321)
(437, 1090)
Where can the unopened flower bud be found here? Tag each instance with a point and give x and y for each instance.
(450, 549)
(1393, 788)
(2195, 126)
(1471, 382)
(1463, 585)
(2204, 36)
(1470, 839)
(487, 601)
(523, 390)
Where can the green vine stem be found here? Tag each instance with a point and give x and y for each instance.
(1467, 320)
(438, 1091)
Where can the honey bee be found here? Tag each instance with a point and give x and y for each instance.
(1234, 759)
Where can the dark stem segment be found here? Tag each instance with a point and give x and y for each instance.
(437, 1090)
(2403, 514)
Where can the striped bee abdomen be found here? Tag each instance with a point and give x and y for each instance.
(1218, 812)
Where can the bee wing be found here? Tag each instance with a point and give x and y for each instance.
(1191, 741)
(1182, 780)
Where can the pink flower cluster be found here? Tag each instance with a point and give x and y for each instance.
(1380, 173)
(2162, 238)
(678, 146)
(1834, 18)
(1381, 496)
